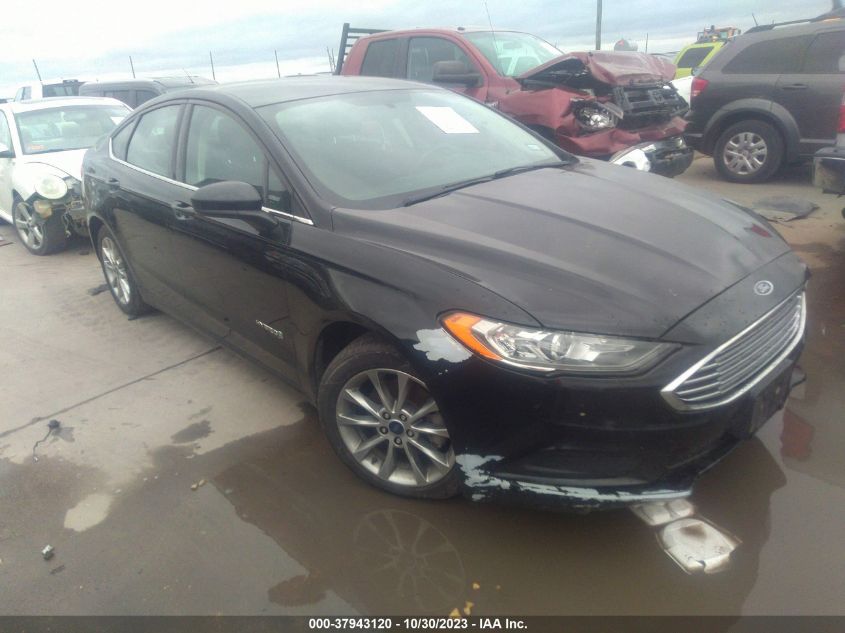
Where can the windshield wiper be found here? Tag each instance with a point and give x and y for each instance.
(442, 191)
(504, 173)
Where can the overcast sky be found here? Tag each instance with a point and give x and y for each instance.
(92, 39)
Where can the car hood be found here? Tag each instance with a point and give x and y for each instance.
(612, 68)
(592, 247)
(62, 164)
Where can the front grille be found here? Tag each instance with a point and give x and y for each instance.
(648, 105)
(737, 365)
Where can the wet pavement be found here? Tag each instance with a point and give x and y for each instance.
(149, 409)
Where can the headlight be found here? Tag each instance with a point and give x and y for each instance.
(554, 351)
(50, 187)
(594, 116)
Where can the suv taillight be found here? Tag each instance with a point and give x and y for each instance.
(698, 86)
(841, 128)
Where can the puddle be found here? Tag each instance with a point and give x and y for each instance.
(193, 432)
(92, 510)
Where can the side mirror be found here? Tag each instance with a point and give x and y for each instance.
(233, 200)
(695, 71)
(454, 73)
(6, 151)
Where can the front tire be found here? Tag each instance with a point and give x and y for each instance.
(122, 285)
(384, 424)
(40, 237)
(748, 152)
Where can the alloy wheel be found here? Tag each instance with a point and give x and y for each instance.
(28, 227)
(116, 274)
(392, 426)
(745, 153)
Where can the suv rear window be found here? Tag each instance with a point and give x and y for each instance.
(824, 54)
(776, 56)
(693, 57)
(380, 58)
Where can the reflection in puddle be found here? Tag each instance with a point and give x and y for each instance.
(384, 554)
(404, 554)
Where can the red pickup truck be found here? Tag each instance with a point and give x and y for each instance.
(618, 106)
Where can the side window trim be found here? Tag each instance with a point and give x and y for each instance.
(269, 163)
(134, 123)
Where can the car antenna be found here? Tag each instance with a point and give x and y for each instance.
(493, 33)
(188, 76)
(754, 17)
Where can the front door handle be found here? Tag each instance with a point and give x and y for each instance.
(183, 211)
(113, 184)
(794, 86)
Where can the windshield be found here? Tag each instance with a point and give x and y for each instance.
(511, 53)
(376, 149)
(66, 127)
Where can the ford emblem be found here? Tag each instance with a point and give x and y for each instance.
(763, 288)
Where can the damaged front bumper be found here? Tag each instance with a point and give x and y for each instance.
(669, 158)
(601, 469)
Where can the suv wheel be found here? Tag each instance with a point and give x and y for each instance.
(748, 151)
(384, 424)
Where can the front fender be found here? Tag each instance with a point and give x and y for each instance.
(26, 175)
(775, 113)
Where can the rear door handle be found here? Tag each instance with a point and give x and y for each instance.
(794, 86)
(113, 184)
(183, 211)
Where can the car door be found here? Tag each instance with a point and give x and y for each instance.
(6, 168)
(232, 270)
(425, 52)
(141, 187)
(814, 93)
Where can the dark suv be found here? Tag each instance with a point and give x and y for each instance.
(134, 92)
(768, 98)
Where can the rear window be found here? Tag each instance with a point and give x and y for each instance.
(380, 58)
(825, 53)
(782, 55)
(693, 57)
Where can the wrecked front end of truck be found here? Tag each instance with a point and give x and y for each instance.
(615, 106)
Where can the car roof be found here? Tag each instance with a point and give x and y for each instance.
(269, 91)
(165, 81)
(775, 31)
(56, 102)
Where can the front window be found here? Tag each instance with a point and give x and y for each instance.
(66, 127)
(511, 53)
(378, 149)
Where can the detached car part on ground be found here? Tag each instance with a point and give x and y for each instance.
(41, 148)
(617, 106)
(468, 306)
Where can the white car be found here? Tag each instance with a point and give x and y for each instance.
(42, 143)
(684, 86)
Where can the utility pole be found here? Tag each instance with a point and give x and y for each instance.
(132, 66)
(211, 59)
(598, 25)
(37, 72)
(276, 54)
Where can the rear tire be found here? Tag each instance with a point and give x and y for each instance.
(749, 151)
(119, 278)
(384, 442)
(40, 237)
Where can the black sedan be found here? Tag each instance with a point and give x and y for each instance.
(469, 307)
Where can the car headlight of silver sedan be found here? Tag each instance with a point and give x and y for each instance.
(547, 350)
